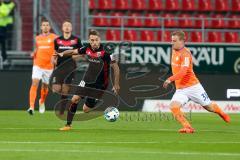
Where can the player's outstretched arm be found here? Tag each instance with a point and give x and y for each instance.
(68, 53)
(116, 72)
(177, 76)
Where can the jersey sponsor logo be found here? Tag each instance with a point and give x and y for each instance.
(94, 60)
(65, 47)
(44, 47)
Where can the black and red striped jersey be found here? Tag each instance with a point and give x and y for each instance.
(97, 75)
(61, 44)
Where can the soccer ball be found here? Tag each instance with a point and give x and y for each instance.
(111, 114)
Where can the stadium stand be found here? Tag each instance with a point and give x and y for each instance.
(193, 16)
(26, 11)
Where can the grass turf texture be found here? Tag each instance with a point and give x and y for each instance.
(37, 137)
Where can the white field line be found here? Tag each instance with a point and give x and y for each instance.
(118, 142)
(125, 152)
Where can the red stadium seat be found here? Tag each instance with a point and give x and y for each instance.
(235, 23)
(155, 5)
(187, 34)
(152, 21)
(130, 35)
(166, 37)
(214, 37)
(113, 35)
(231, 37)
(196, 37)
(147, 35)
(218, 21)
(221, 5)
(133, 21)
(116, 22)
(121, 4)
(105, 4)
(236, 5)
(138, 5)
(169, 20)
(199, 21)
(92, 4)
(205, 5)
(186, 21)
(188, 5)
(100, 21)
(172, 5)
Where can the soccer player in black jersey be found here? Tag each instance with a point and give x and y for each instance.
(64, 65)
(96, 54)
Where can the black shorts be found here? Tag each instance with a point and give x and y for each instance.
(65, 78)
(92, 102)
(64, 73)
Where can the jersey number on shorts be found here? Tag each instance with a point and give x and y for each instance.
(205, 96)
(82, 84)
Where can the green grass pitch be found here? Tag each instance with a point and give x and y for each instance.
(24, 137)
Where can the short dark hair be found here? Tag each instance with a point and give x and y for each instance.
(67, 20)
(44, 20)
(93, 32)
(180, 34)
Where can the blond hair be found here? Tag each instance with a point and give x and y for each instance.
(180, 34)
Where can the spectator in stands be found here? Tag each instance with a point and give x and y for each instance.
(6, 18)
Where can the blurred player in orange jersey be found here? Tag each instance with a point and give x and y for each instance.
(187, 84)
(42, 66)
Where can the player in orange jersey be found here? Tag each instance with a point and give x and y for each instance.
(187, 84)
(42, 66)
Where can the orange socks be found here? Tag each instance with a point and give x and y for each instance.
(44, 93)
(180, 116)
(217, 109)
(32, 96)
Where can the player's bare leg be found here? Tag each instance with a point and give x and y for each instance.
(44, 93)
(86, 109)
(180, 117)
(33, 95)
(213, 107)
(71, 112)
(57, 88)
